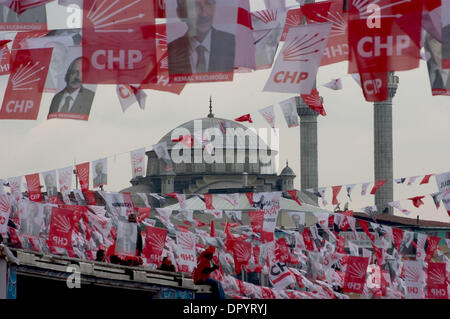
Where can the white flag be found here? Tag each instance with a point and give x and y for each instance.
(364, 188)
(50, 183)
(269, 115)
(163, 154)
(413, 270)
(322, 191)
(186, 260)
(137, 162)
(296, 67)
(289, 108)
(334, 84)
(349, 190)
(245, 48)
(396, 204)
(15, 185)
(411, 180)
(129, 95)
(443, 183)
(5, 210)
(65, 182)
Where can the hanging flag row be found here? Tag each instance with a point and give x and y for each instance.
(121, 44)
(80, 231)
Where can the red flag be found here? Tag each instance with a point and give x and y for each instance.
(160, 8)
(244, 118)
(417, 201)
(118, 42)
(426, 179)
(307, 239)
(293, 193)
(340, 244)
(294, 18)
(28, 75)
(143, 213)
(250, 198)
(437, 281)
(34, 187)
(398, 237)
(83, 175)
(433, 243)
(208, 201)
(314, 101)
(377, 185)
(90, 197)
(336, 190)
(62, 224)
(20, 6)
(5, 57)
(330, 11)
(159, 79)
(155, 240)
(355, 275)
(212, 231)
(374, 86)
(365, 226)
(256, 220)
(242, 253)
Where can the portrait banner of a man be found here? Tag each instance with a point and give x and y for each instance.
(439, 77)
(100, 177)
(31, 19)
(445, 11)
(201, 40)
(73, 99)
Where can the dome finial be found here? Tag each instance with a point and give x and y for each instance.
(210, 107)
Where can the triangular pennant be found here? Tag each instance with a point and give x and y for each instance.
(377, 185)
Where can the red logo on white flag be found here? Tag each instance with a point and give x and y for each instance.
(296, 67)
(26, 83)
(5, 209)
(294, 18)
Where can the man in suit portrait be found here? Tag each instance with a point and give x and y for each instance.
(74, 98)
(50, 186)
(101, 178)
(439, 78)
(202, 48)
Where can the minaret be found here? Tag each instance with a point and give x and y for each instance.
(309, 172)
(383, 158)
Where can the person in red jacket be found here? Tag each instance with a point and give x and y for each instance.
(202, 272)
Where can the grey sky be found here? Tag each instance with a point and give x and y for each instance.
(421, 130)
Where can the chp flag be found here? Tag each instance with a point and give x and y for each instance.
(34, 187)
(384, 35)
(437, 282)
(118, 41)
(296, 66)
(62, 223)
(355, 275)
(137, 162)
(5, 210)
(186, 260)
(25, 85)
(333, 12)
(155, 240)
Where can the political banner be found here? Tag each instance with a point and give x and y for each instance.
(83, 175)
(137, 162)
(26, 83)
(118, 41)
(100, 169)
(437, 283)
(331, 11)
(186, 260)
(155, 240)
(23, 15)
(126, 239)
(34, 187)
(62, 224)
(296, 66)
(355, 275)
(201, 42)
(443, 183)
